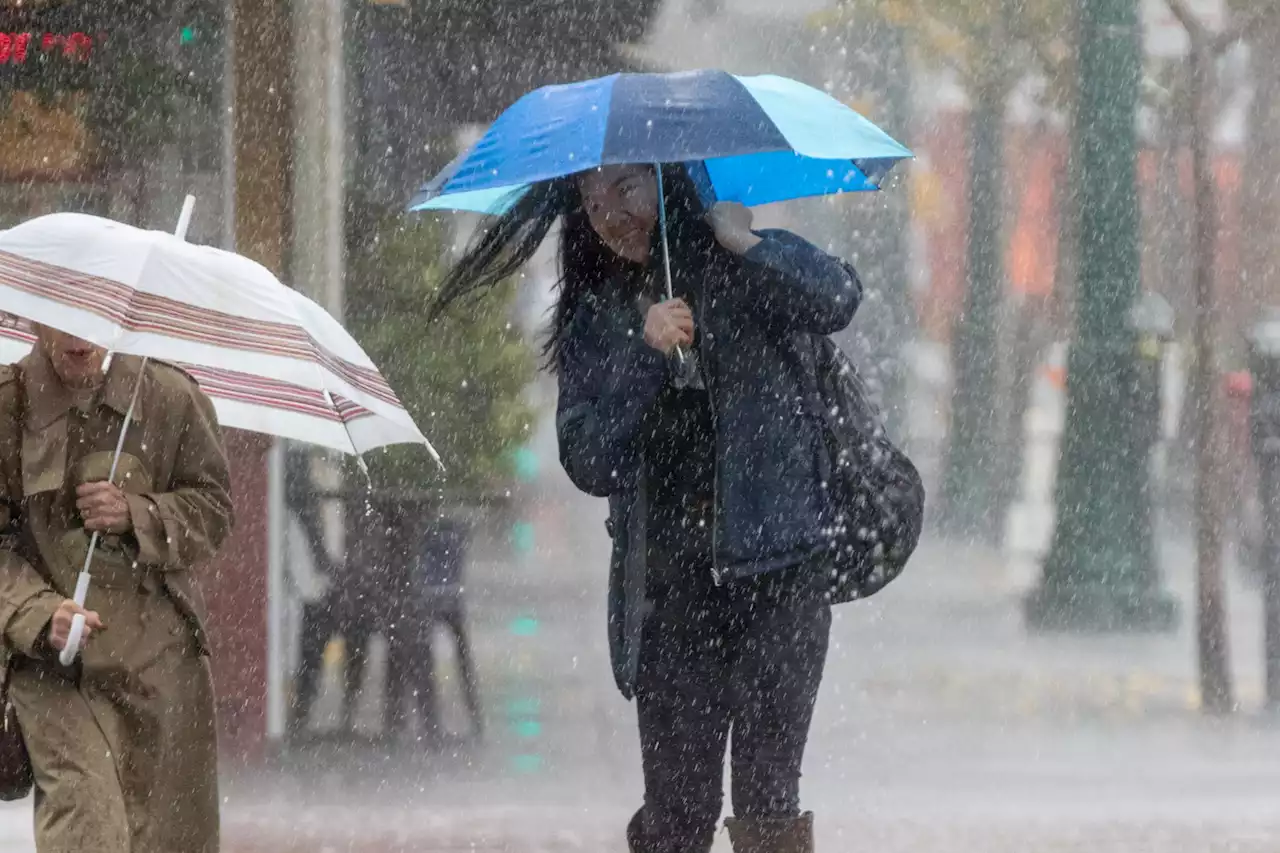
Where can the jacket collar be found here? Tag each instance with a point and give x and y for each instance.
(48, 399)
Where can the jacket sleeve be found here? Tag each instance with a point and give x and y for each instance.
(798, 286)
(27, 601)
(602, 403)
(187, 524)
(27, 604)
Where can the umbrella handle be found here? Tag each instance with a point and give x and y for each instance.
(68, 654)
(666, 249)
(72, 648)
(82, 582)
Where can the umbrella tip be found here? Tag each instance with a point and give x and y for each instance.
(434, 454)
(184, 218)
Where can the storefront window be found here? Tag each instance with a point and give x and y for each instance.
(113, 108)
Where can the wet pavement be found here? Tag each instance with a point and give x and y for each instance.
(942, 727)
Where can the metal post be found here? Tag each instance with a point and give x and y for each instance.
(1265, 422)
(1100, 573)
(277, 676)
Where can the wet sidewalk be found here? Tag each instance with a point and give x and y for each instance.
(943, 728)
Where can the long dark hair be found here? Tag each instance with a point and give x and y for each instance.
(499, 250)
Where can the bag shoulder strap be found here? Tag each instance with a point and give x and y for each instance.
(11, 447)
(11, 470)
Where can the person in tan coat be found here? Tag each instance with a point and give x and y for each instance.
(123, 742)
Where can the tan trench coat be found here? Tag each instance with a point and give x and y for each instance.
(123, 743)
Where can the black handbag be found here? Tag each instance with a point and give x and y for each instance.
(16, 775)
(877, 492)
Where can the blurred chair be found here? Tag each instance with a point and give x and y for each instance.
(436, 597)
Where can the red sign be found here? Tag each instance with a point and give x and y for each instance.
(17, 48)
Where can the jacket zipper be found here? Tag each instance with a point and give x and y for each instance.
(716, 573)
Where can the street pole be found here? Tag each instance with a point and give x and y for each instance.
(969, 501)
(1211, 623)
(974, 487)
(1211, 635)
(1100, 573)
(262, 147)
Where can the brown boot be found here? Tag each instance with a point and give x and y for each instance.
(777, 835)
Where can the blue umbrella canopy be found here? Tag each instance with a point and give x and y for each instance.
(753, 140)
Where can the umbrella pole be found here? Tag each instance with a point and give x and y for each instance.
(72, 648)
(666, 249)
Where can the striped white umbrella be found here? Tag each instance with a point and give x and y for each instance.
(271, 360)
(252, 403)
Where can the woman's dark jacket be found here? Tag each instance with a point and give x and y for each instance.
(753, 313)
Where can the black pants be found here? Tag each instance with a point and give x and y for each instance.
(748, 658)
(319, 625)
(412, 673)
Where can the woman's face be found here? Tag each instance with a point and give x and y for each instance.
(622, 205)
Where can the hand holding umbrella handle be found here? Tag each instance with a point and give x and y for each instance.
(666, 248)
(68, 654)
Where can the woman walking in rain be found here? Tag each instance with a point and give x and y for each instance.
(687, 414)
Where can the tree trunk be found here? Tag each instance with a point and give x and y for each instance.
(1100, 573)
(968, 486)
(1215, 673)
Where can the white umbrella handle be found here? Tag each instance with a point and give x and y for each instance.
(72, 648)
(68, 654)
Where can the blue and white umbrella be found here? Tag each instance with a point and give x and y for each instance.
(753, 140)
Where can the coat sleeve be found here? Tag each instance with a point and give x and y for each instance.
(799, 287)
(27, 604)
(603, 400)
(187, 524)
(27, 601)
